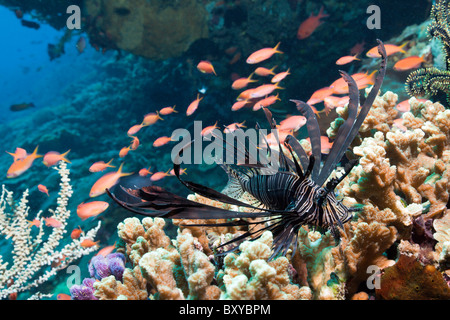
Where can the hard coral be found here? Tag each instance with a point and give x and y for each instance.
(408, 279)
(153, 29)
(249, 276)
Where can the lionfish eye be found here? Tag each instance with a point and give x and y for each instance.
(321, 196)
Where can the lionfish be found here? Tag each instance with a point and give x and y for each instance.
(296, 194)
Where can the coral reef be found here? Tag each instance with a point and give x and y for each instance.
(37, 255)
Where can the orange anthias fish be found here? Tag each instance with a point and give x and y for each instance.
(268, 101)
(63, 296)
(390, 50)
(159, 175)
(404, 106)
(280, 76)
(167, 110)
(242, 82)
(134, 143)
(19, 154)
(346, 59)
(333, 102)
(263, 54)
(264, 90)
(325, 144)
(308, 26)
(363, 80)
(194, 105)
(135, 129)
(320, 95)
(206, 67)
(124, 151)
(88, 243)
(52, 222)
(264, 72)
(239, 105)
(180, 172)
(20, 166)
(293, 123)
(151, 118)
(145, 172)
(43, 189)
(408, 63)
(161, 141)
(106, 250)
(100, 166)
(234, 126)
(107, 181)
(91, 209)
(52, 158)
(207, 131)
(76, 233)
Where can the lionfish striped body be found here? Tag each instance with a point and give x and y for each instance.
(299, 192)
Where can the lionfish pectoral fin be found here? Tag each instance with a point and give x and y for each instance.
(171, 206)
(233, 188)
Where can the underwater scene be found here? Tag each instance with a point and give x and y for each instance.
(225, 150)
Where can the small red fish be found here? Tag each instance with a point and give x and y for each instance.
(20, 166)
(63, 296)
(206, 67)
(88, 243)
(161, 141)
(293, 123)
(19, 154)
(264, 90)
(151, 118)
(234, 126)
(208, 130)
(52, 158)
(76, 233)
(100, 166)
(264, 72)
(408, 63)
(43, 189)
(52, 222)
(263, 54)
(390, 50)
(194, 105)
(159, 175)
(167, 110)
(106, 250)
(145, 172)
(239, 105)
(107, 181)
(308, 26)
(280, 76)
(91, 209)
(346, 59)
(242, 82)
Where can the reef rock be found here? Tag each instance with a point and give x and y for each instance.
(152, 29)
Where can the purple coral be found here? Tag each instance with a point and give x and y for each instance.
(101, 267)
(85, 291)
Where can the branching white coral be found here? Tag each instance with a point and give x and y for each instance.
(33, 253)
